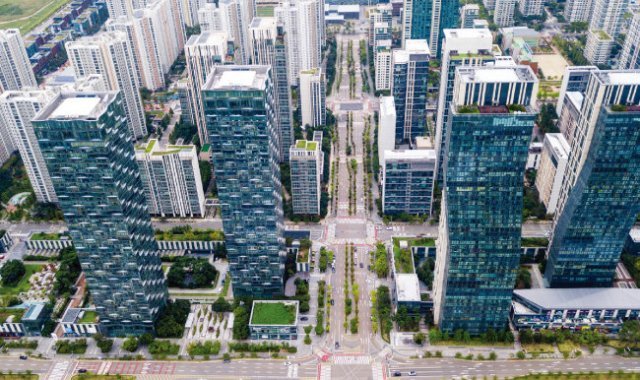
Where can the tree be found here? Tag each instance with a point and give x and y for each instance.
(130, 344)
(68, 271)
(221, 305)
(146, 339)
(419, 338)
(191, 272)
(630, 332)
(546, 119)
(170, 323)
(12, 272)
(241, 323)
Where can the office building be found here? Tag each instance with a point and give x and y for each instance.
(606, 21)
(407, 181)
(531, 7)
(171, 179)
(478, 248)
(312, 98)
(202, 52)
(460, 47)
(305, 160)
(386, 126)
(17, 109)
(157, 37)
(578, 10)
(110, 55)
(469, 13)
(88, 150)
(409, 89)
(599, 197)
(630, 54)
(15, 69)
(553, 162)
(504, 11)
(425, 20)
(269, 47)
(240, 108)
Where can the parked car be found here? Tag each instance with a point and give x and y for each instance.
(23, 357)
(413, 373)
(82, 370)
(304, 318)
(397, 374)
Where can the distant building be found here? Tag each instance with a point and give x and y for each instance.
(425, 20)
(407, 181)
(305, 161)
(171, 179)
(386, 126)
(604, 27)
(383, 64)
(531, 7)
(575, 79)
(553, 162)
(312, 98)
(15, 70)
(480, 24)
(17, 109)
(468, 14)
(630, 54)
(380, 14)
(504, 11)
(578, 10)
(88, 150)
(409, 89)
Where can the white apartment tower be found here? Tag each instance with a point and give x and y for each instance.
(312, 98)
(503, 15)
(171, 179)
(110, 55)
(235, 18)
(469, 13)
(17, 109)
(15, 69)
(578, 10)
(603, 29)
(630, 55)
(553, 162)
(531, 7)
(305, 159)
(202, 52)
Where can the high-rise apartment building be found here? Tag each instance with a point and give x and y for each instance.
(241, 111)
(17, 109)
(599, 197)
(504, 12)
(235, 18)
(630, 54)
(7, 147)
(553, 162)
(110, 55)
(305, 160)
(468, 14)
(478, 248)
(409, 89)
(382, 13)
(460, 47)
(425, 20)
(313, 109)
(604, 27)
(269, 47)
(171, 178)
(383, 57)
(15, 69)
(531, 7)
(88, 150)
(407, 181)
(202, 52)
(578, 10)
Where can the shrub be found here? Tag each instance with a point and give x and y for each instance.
(206, 348)
(493, 356)
(130, 344)
(163, 347)
(520, 355)
(307, 339)
(12, 272)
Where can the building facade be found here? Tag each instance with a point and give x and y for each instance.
(241, 111)
(553, 162)
(407, 181)
(17, 109)
(305, 161)
(503, 14)
(578, 10)
(15, 69)
(531, 7)
(469, 13)
(599, 197)
(171, 179)
(313, 109)
(630, 54)
(386, 126)
(604, 27)
(88, 150)
(478, 248)
(409, 89)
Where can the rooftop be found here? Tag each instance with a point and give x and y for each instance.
(207, 38)
(308, 145)
(625, 77)
(76, 105)
(559, 144)
(237, 77)
(411, 47)
(264, 23)
(410, 154)
(407, 287)
(582, 298)
(496, 74)
(73, 108)
(387, 105)
(275, 313)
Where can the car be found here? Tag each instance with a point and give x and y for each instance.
(332, 302)
(397, 374)
(361, 265)
(201, 319)
(333, 270)
(226, 361)
(287, 363)
(82, 370)
(210, 329)
(23, 357)
(413, 373)
(304, 318)
(337, 345)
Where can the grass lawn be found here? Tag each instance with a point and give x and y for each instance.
(473, 342)
(568, 346)
(273, 313)
(23, 284)
(538, 348)
(19, 377)
(89, 316)
(34, 13)
(403, 260)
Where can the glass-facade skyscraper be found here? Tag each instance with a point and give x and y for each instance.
(240, 113)
(426, 20)
(600, 195)
(478, 255)
(88, 149)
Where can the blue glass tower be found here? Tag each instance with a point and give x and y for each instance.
(600, 196)
(479, 244)
(86, 144)
(410, 76)
(240, 113)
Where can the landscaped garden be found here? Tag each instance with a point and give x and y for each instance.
(186, 233)
(273, 313)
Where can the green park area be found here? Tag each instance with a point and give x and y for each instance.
(27, 14)
(23, 284)
(273, 313)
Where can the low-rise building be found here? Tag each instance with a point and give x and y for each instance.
(48, 241)
(78, 322)
(533, 159)
(23, 320)
(6, 241)
(604, 309)
(555, 154)
(274, 320)
(468, 14)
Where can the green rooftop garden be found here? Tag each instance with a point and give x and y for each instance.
(534, 242)
(603, 35)
(6, 314)
(303, 255)
(150, 146)
(403, 260)
(516, 108)
(47, 236)
(416, 242)
(273, 313)
(89, 316)
(186, 233)
(468, 109)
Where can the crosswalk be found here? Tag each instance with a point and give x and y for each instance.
(325, 371)
(292, 371)
(360, 359)
(59, 370)
(377, 371)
